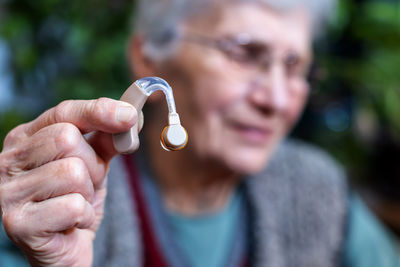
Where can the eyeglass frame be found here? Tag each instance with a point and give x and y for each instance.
(227, 44)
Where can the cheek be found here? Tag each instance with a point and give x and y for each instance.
(218, 95)
(213, 89)
(203, 94)
(211, 99)
(207, 82)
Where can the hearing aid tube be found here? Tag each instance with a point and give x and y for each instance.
(173, 137)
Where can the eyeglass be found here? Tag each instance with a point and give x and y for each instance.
(248, 52)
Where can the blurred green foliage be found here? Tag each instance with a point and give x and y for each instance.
(77, 49)
(373, 74)
(79, 44)
(357, 75)
(64, 50)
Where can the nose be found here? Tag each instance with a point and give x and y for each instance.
(270, 90)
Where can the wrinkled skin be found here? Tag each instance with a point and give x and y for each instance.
(52, 180)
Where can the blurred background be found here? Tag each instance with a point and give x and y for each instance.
(54, 50)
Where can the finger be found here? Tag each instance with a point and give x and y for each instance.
(103, 114)
(61, 140)
(50, 216)
(15, 136)
(51, 180)
(103, 144)
(63, 213)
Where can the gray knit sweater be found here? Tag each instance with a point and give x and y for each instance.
(299, 203)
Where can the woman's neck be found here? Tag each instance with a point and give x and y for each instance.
(189, 185)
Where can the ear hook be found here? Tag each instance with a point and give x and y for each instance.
(173, 137)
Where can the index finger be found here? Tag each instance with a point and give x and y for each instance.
(103, 114)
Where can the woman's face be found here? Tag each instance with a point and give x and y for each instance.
(235, 111)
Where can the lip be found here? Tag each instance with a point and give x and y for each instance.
(253, 133)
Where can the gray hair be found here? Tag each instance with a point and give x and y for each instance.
(157, 20)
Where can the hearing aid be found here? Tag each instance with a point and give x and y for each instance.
(173, 137)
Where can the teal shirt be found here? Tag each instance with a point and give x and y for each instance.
(10, 255)
(367, 244)
(206, 240)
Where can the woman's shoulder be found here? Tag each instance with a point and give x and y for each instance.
(306, 153)
(302, 195)
(306, 161)
(305, 176)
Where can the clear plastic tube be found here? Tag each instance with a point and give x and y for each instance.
(151, 84)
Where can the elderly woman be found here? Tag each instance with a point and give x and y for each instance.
(235, 196)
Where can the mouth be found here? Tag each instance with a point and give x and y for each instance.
(252, 133)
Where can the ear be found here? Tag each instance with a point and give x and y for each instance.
(140, 64)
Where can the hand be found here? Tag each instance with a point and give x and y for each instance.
(52, 179)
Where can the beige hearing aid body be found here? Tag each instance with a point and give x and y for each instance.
(173, 137)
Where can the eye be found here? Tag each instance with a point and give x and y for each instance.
(294, 64)
(292, 59)
(247, 53)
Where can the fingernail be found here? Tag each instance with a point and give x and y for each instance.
(125, 113)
